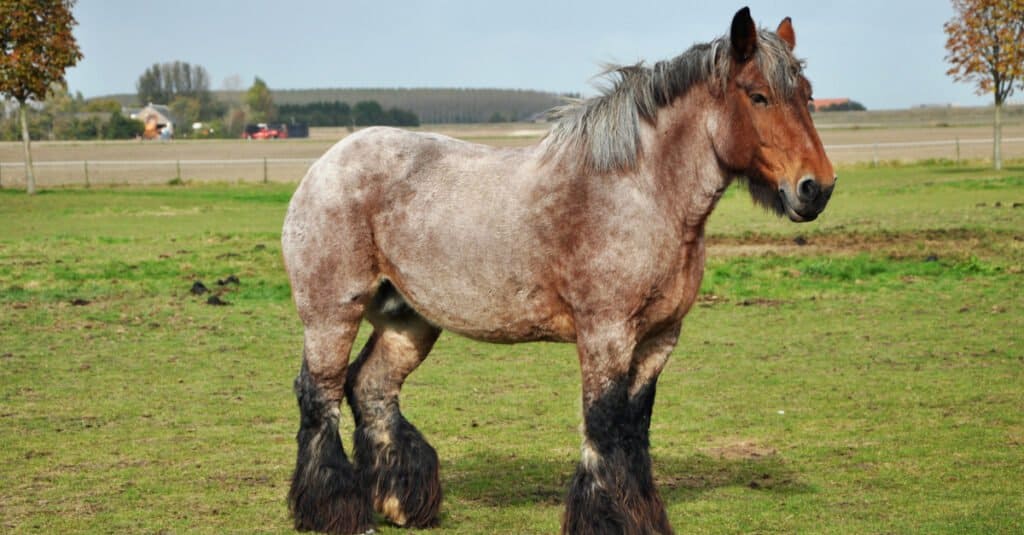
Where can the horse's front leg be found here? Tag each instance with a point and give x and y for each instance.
(613, 489)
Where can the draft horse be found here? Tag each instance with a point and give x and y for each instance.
(595, 236)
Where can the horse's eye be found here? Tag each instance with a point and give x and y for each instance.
(759, 99)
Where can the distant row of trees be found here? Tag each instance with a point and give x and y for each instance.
(437, 105)
(65, 116)
(337, 113)
(186, 88)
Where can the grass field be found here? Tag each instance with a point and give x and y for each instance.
(860, 374)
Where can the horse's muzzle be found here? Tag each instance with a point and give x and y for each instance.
(807, 201)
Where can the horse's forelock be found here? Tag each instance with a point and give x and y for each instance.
(777, 64)
(602, 133)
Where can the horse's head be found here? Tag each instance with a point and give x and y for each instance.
(769, 137)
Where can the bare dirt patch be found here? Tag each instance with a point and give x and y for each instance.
(746, 450)
(924, 244)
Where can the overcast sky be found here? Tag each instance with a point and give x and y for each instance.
(885, 54)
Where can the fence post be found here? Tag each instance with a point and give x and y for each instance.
(1, 175)
(86, 164)
(177, 164)
(264, 169)
(958, 151)
(874, 155)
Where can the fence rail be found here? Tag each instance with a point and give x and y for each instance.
(106, 172)
(955, 150)
(97, 172)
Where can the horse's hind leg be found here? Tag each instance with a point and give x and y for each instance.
(326, 494)
(331, 283)
(396, 463)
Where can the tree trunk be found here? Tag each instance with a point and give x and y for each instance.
(997, 139)
(30, 177)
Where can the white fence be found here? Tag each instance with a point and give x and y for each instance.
(956, 150)
(101, 172)
(105, 172)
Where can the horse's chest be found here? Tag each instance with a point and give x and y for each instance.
(670, 300)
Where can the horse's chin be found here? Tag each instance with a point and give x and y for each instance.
(800, 211)
(791, 212)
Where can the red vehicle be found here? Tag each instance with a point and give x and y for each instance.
(265, 131)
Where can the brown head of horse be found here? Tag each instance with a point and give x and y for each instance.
(595, 236)
(774, 143)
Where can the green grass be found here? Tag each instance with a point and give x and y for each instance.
(869, 381)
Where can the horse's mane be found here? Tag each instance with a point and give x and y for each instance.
(603, 132)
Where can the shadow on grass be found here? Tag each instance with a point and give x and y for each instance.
(501, 481)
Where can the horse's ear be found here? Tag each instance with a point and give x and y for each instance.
(743, 35)
(785, 31)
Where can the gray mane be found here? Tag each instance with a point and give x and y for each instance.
(603, 132)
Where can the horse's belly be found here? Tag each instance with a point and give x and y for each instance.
(492, 313)
(557, 329)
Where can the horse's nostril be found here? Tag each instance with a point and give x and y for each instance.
(808, 189)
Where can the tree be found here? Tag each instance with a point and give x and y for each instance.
(108, 105)
(234, 122)
(319, 113)
(986, 47)
(368, 113)
(260, 101)
(121, 127)
(163, 83)
(397, 117)
(37, 48)
(187, 111)
(150, 86)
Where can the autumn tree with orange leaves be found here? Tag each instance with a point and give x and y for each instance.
(986, 47)
(37, 48)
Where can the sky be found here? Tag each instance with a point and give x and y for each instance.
(885, 54)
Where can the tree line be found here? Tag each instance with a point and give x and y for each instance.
(437, 105)
(337, 113)
(67, 117)
(184, 88)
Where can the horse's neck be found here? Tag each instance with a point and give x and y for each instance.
(680, 157)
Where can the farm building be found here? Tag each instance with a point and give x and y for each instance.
(822, 103)
(158, 120)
